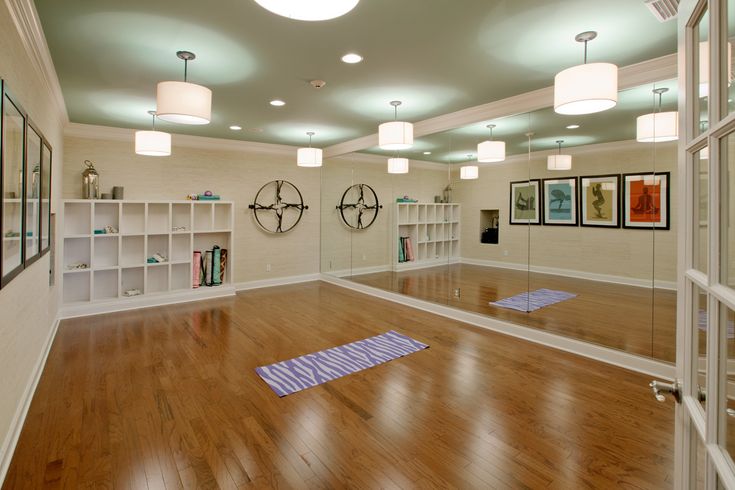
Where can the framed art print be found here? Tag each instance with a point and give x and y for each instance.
(525, 202)
(646, 200)
(560, 201)
(599, 200)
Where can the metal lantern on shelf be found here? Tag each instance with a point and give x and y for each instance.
(90, 182)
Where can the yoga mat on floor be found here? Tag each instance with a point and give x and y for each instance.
(304, 372)
(538, 299)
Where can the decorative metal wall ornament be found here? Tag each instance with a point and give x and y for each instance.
(359, 206)
(283, 212)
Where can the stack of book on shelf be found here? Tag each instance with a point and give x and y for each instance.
(405, 249)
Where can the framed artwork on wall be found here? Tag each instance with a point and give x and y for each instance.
(599, 200)
(560, 201)
(525, 202)
(646, 199)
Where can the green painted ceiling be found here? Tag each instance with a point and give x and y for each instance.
(617, 124)
(437, 56)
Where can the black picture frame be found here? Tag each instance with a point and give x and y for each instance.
(665, 210)
(538, 198)
(615, 221)
(32, 199)
(575, 202)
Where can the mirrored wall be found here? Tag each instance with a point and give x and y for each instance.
(573, 233)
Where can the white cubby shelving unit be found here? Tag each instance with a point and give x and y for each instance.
(434, 232)
(117, 262)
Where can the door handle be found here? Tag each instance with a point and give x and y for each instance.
(661, 389)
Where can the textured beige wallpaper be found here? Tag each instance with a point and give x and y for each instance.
(27, 305)
(617, 252)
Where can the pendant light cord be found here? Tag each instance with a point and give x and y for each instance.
(154, 121)
(585, 52)
(186, 67)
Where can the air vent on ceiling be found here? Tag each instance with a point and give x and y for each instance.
(663, 10)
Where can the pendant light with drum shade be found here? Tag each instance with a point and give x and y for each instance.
(559, 161)
(184, 102)
(309, 10)
(469, 172)
(395, 135)
(397, 165)
(309, 157)
(586, 88)
(658, 126)
(491, 151)
(153, 143)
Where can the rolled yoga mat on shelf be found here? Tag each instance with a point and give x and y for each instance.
(216, 266)
(208, 268)
(222, 265)
(196, 279)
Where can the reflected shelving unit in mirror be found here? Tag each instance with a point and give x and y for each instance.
(426, 234)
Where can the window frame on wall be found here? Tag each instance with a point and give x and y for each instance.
(6, 96)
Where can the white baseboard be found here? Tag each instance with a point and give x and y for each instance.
(628, 281)
(144, 301)
(16, 425)
(277, 281)
(359, 270)
(615, 357)
(425, 264)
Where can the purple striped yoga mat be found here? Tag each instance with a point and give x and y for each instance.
(303, 372)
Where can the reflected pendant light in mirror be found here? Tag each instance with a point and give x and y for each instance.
(309, 157)
(491, 151)
(469, 172)
(184, 102)
(559, 161)
(658, 126)
(310, 10)
(395, 135)
(704, 67)
(153, 143)
(586, 88)
(398, 165)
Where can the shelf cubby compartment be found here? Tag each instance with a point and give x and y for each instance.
(76, 286)
(78, 218)
(422, 213)
(222, 215)
(133, 218)
(181, 217)
(131, 278)
(180, 277)
(156, 278)
(439, 253)
(106, 214)
(402, 213)
(413, 213)
(180, 247)
(430, 214)
(158, 218)
(132, 251)
(203, 216)
(157, 244)
(105, 251)
(77, 251)
(105, 285)
(207, 241)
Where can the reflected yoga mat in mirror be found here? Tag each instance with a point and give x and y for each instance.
(534, 301)
(310, 370)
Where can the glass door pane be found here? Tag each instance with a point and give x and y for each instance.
(727, 211)
(702, 75)
(33, 197)
(13, 191)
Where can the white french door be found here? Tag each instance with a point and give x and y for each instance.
(705, 362)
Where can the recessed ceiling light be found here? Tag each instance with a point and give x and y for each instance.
(352, 58)
(235, 128)
(573, 126)
(278, 102)
(427, 153)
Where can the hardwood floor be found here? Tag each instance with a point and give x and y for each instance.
(168, 398)
(637, 320)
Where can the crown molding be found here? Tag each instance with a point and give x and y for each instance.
(107, 133)
(649, 71)
(25, 17)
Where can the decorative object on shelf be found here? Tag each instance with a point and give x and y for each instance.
(406, 199)
(281, 213)
(491, 151)
(559, 161)
(437, 199)
(309, 157)
(77, 266)
(118, 192)
(192, 197)
(132, 292)
(395, 135)
(447, 192)
(359, 206)
(560, 201)
(153, 143)
(646, 199)
(209, 267)
(525, 202)
(658, 126)
(110, 230)
(184, 102)
(106, 195)
(586, 88)
(208, 197)
(90, 181)
(309, 10)
(196, 270)
(157, 258)
(599, 200)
